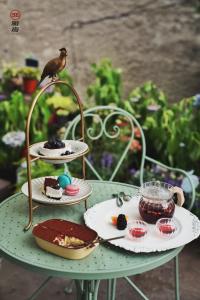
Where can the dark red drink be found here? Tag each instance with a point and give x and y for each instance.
(152, 210)
(167, 228)
(137, 232)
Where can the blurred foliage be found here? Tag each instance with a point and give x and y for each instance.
(13, 115)
(12, 70)
(38, 169)
(9, 71)
(30, 72)
(62, 104)
(171, 130)
(107, 87)
(63, 89)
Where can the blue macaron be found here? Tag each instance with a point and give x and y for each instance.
(64, 180)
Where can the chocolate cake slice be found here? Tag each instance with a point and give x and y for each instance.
(52, 189)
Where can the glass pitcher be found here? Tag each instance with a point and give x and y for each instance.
(157, 200)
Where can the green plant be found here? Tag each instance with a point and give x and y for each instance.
(9, 71)
(12, 118)
(14, 111)
(62, 104)
(29, 72)
(185, 140)
(11, 79)
(170, 129)
(147, 98)
(13, 115)
(63, 89)
(107, 87)
(40, 120)
(38, 169)
(156, 117)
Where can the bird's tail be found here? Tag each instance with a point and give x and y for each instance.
(39, 82)
(41, 79)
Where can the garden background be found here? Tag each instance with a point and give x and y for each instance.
(145, 60)
(142, 56)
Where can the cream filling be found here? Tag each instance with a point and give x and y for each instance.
(68, 241)
(54, 152)
(52, 193)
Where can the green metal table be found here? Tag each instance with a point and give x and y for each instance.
(106, 262)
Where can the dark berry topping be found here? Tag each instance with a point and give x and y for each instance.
(121, 222)
(54, 143)
(67, 153)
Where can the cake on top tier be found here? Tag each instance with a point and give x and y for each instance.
(55, 147)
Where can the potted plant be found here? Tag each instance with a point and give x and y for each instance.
(31, 62)
(30, 79)
(11, 79)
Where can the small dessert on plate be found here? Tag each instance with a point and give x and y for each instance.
(120, 221)
(71, 190)
(52, 189)
(54, 147)
(64, 180)
(65, 238)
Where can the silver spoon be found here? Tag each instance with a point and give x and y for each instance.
(119, 200)
(125, 197)
(100, 240)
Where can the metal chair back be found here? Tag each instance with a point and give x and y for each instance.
(97, 116)
(102, 119)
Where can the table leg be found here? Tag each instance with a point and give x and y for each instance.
(111, 287)
(1, 259)
(87, 289)
(177, 288)
(41, 287)
(69, 287)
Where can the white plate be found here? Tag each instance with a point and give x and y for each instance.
(79, 148)
(99, 218)
(38, 196)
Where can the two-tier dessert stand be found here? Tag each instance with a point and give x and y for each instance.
(32, 155)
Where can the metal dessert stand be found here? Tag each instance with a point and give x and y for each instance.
(30, 159)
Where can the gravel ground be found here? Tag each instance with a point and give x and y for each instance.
(17, 283)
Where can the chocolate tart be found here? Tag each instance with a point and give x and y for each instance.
(65, 238)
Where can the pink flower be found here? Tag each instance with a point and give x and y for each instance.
(137, 132)
(135, 146)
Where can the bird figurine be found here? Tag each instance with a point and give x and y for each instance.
(54, 66)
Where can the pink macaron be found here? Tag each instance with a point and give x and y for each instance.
(71, 189)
